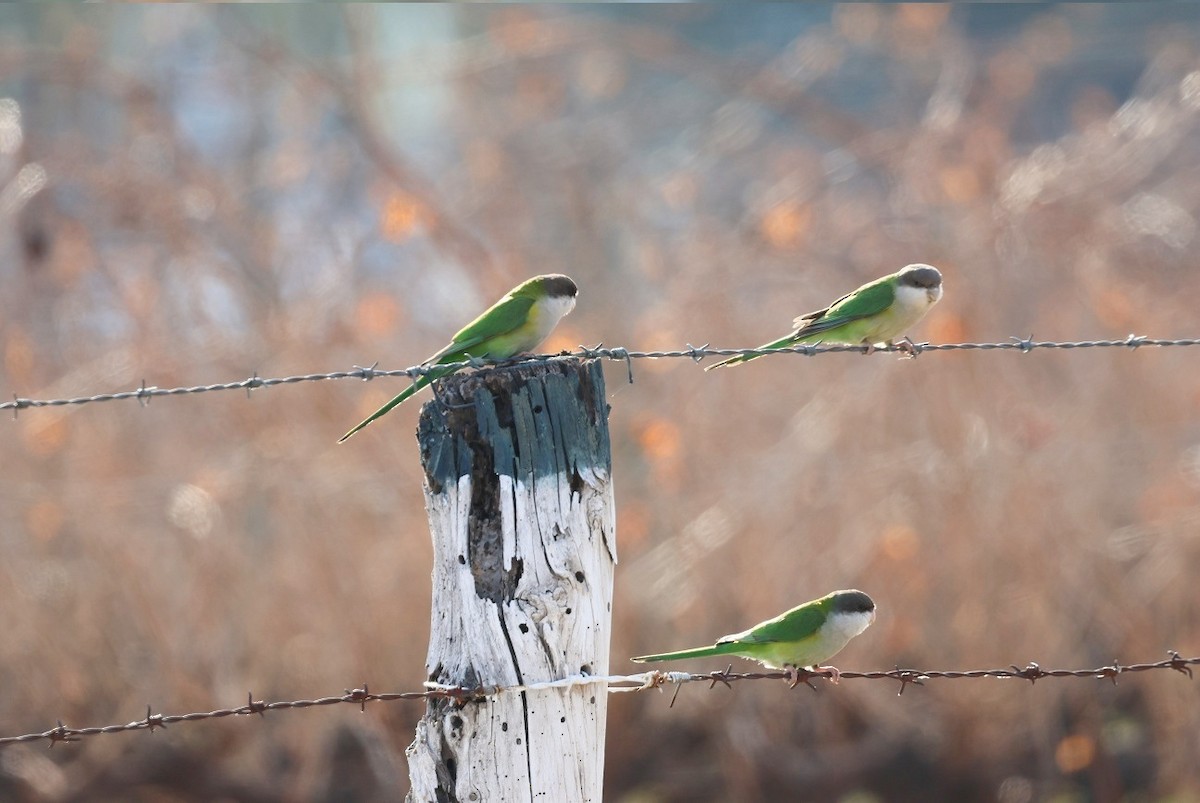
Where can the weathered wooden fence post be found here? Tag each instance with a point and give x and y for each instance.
(517, 487)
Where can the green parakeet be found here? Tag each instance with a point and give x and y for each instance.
(878, 312)
(805, 636)
(517, 323)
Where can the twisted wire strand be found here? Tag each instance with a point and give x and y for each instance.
(654, 679)
(145, 393)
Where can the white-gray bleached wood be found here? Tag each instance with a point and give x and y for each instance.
(556, 532)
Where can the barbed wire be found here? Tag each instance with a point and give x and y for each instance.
(144, 393)
(152, 721)
(653, 679)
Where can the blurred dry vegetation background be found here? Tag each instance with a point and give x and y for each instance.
(194, 194)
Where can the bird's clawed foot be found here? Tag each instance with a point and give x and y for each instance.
(791, 676)
(906, 347)
(794, 676)
(835, 674)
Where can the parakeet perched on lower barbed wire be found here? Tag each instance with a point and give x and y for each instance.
(515, 324)
(878, 312)
(805, 636)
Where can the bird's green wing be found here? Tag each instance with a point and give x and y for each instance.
(862, 303)
(506, 315)
(796, 624)
(501, 318)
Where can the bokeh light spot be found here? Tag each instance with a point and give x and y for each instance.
(785, 225)
(377, 314)
(1075, 753)
(44, 519)
(403, 215)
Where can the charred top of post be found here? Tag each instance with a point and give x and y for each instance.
(527, 422)
(531, 419)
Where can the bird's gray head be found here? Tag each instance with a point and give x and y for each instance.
(556, 285)
(925, 277)
(851, 601)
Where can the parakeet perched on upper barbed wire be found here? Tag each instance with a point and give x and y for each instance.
(878, 312)
(515, 324)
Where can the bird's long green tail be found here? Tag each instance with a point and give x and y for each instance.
(698, 652)
(421, 382)
(782, 342)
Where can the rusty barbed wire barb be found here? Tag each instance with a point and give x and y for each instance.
(1031, 672)
(617, 354)
(362, 695)
(62, 734)
(151, 720)
(623, 354)
(720, 677)
(908, 678)
(367, 373)
(253, 707)
(1180, 664)
(252, 383)
(652, 679)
